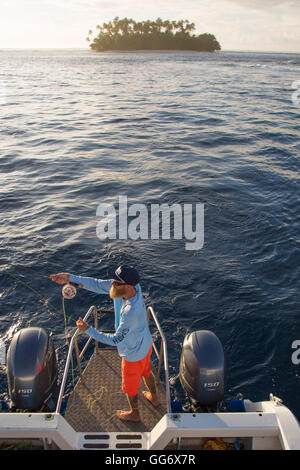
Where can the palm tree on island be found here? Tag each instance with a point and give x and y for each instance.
(127, 34)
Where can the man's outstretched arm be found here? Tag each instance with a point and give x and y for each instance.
(98, 286)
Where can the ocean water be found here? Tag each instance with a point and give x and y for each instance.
(78, 129)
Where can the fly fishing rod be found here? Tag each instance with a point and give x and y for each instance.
(69, 290)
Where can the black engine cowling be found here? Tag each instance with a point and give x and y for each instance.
(31, 369)
(202, 368)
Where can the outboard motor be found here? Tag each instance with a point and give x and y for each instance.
(31, 369)
(202, 370)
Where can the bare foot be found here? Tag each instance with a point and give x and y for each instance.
(128, 415)
(149, 397)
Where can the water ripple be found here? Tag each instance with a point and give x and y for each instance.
(79, 128)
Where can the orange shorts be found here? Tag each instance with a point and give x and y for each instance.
(132, 372)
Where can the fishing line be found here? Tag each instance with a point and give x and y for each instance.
(66, 337)
(53, 308)
(101, 393)
(34, 271)
(48, 304)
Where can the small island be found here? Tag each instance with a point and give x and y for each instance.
(128, 35)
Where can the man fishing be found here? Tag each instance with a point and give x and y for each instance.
(132, 336)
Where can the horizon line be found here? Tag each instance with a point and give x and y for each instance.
(150, 50)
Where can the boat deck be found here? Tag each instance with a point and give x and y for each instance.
(98, 394)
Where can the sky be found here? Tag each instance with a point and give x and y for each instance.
(239, 25)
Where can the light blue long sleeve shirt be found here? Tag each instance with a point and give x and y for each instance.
(132, 336)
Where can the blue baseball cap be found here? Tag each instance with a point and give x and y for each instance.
(127, 274)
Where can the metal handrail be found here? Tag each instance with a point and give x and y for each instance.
(64, 379)
(165, 353)
(74, 338)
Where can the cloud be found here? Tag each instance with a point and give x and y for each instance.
(267, 4)
(237, 24)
